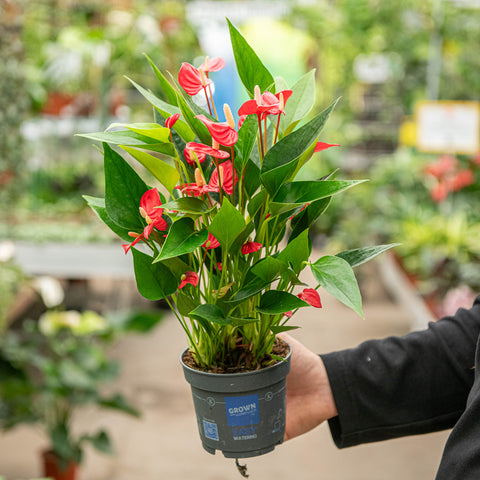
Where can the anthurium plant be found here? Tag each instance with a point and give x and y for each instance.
(222, 230)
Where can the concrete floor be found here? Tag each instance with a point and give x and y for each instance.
(164, 443)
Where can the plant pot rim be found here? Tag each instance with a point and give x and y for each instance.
(235, 374)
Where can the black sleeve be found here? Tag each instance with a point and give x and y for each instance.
(407, 385)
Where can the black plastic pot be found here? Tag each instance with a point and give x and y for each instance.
(240, 414)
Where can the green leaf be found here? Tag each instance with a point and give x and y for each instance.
(98, 206)
(277, 301)
(196, 125)
(132, 139)
(361, 255)
(210, 313)
(163, 172)
(150, 130)
(247, 136)
(73, 376)
(227, 224)
(242, 237)
(300, 102)
(101, 442)
(336, 276)
(296, 252)
(252, 178)
(118, 402)
(282, 328)
(303, 220)
(186, 303)
(166, 110)
(182, 238)
(142, 322)
(154, 280)
(282, 159)
(267, 269)
(191, 205)
(254, 286)
(123, 191)
(168, 90)
(293, 194)
(250, 68)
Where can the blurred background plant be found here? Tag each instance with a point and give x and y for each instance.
(381, 58)
(49, 369)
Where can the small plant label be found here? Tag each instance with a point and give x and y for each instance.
(210, 429)
(242, 410)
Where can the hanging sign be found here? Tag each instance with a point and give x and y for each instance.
(448, 127)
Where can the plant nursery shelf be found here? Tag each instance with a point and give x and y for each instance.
(73, 261)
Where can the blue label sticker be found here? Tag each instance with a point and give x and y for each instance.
(210, 430)
(242, 410)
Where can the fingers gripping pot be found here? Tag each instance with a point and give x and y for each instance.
(240, 414)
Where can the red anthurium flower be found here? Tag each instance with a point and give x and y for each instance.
(170, 121)
(228, 178)
(439, 192)
(241, 120)
(188, 277)
(288, 314)
(462, 179)
(282, 98)
(311, 296)
(260, 104)
(211, 242)
(191, 79)
(221, 132)
(137, 237)
(250, 247)
(444, 165)
(150, 211)
(323, 146)
(201, 151)
(213, 64)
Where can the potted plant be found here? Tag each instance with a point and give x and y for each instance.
(224, 237)
(50, 368)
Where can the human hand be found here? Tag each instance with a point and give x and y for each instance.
(309, 396)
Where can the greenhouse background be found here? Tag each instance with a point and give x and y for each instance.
(408, 78)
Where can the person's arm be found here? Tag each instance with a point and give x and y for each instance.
(409, 385)
(385, 388)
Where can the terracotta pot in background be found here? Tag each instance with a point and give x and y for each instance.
(52, 467)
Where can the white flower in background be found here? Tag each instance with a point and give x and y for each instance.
(148, 27)
(7, 251)
(50, 290)
(119, 21)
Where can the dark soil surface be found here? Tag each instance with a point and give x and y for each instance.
(242, 361)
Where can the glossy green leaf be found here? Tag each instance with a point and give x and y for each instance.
(282, 159)
(227, 224)
(98, 206)
(210, 313)
(250, 68)
(154, 280)
(247, 136)
(277, 301)
(309, 191)
(296, 252)
(361, 255)
(168, 90)
(167, 110)
(300, 102)
(123, 191)
(182, 238)
(304, 219)
(195, 124)
(162, 171)
(267, 269)
(336, 276)
(190, 205)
